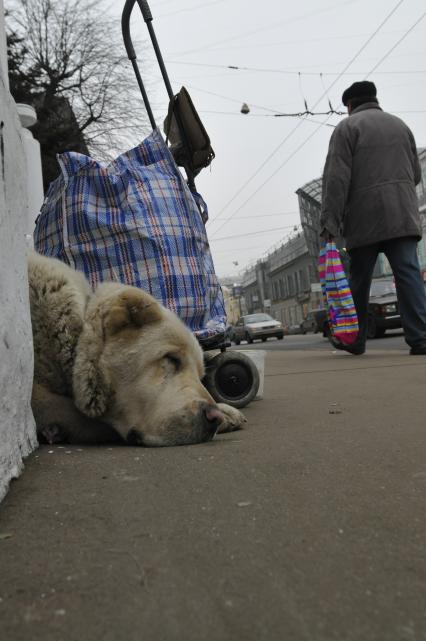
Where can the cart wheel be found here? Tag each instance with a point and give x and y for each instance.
(232, 378)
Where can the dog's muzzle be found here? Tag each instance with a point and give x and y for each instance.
(199, 428)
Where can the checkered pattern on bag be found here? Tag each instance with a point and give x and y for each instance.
(136, 222)
(337, 296)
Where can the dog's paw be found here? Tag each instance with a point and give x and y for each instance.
(52, 433)
(234, 419)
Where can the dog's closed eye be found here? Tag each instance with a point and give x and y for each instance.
(174, 361)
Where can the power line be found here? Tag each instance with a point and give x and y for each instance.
(269, 27)
(273, 112)
(236, 250)
(367, 42)
(254, 233)
(396, 45)
(309, 137)
(239, 115)
(193, 8)
(281, 213)
(270, 177)
(301, 41)
(277, 115)
(231, 113)
(308, 112)
(297, 229)
(294, 72)
(236, 100)
(301, 122)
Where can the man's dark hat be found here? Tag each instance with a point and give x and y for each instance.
(363, 89)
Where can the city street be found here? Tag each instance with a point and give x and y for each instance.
(393, 340)
(309, 525)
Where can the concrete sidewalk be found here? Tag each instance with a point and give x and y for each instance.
(309, 525)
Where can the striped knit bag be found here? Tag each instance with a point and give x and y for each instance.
(337, 296)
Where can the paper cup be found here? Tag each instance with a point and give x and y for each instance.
(257, 356)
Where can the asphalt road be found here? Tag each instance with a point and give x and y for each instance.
(309, 525)
(393, 340)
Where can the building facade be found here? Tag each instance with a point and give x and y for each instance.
(292, 272)
(251, 288)
(284, 284)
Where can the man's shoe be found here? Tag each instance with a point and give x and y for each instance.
(418, 350)
(354, 349)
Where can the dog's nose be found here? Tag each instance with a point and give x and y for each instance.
(211, 417)
(134, 437)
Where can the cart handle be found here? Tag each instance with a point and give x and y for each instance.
(146, 11)
(131, 54)
(125, 23)
(125, 27)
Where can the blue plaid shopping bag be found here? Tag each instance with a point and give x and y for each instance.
(134, 221)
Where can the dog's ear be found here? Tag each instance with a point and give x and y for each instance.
(130, 308)
(112, 310)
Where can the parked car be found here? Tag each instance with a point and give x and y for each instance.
(309, 324)
(383, 310)
(321, 320)
(253, 326)
(296, 328)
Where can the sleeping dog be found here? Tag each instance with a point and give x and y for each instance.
(115, 365)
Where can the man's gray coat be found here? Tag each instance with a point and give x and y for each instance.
(372, 167)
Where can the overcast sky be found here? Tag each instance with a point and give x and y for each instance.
(261, 159)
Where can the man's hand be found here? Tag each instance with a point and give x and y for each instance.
(326, 235)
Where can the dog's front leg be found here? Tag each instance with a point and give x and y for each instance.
(234, 419)
(59, 421)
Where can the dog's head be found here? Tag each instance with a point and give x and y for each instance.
(139, 368)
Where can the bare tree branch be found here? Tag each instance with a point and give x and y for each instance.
(73, 51)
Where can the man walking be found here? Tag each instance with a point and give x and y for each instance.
(369, 197)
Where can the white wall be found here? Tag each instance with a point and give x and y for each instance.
(34, 174)
(3, 59)
(17, 430)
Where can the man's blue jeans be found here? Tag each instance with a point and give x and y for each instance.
(402, 256)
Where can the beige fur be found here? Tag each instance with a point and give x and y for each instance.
(115, 362)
